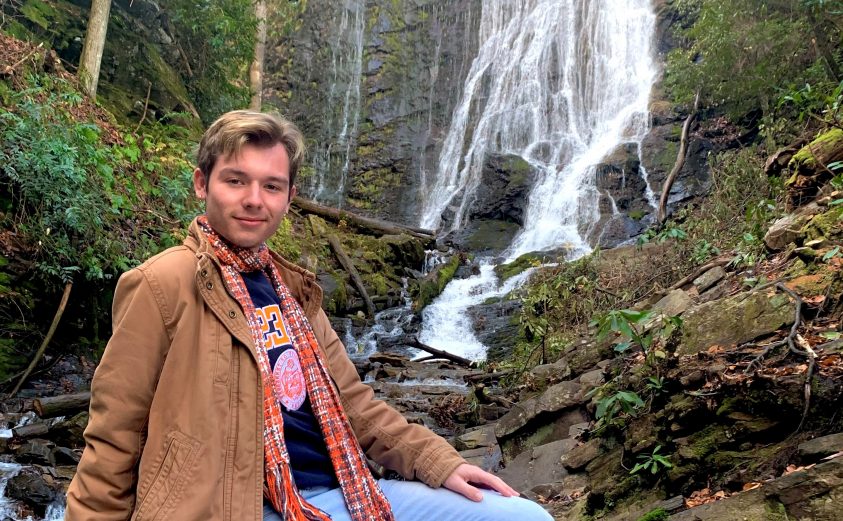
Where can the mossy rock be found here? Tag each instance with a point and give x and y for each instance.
(735, 320)
(432, 285)
(826, 148)
(519, 265)
(827, 225)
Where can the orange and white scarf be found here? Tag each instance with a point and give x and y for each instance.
(363, 497)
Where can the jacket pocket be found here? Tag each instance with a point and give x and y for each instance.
(174, 469)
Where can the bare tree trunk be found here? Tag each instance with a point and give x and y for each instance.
(43, 347)
(680, 162)
(256, 70)
(89, 63)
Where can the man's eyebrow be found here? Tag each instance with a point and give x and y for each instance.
(231, 170)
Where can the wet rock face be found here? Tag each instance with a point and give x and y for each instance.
(504, 188)
(414, 58)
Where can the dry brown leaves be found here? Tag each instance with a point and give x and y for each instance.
(15, 54)
(704, 496)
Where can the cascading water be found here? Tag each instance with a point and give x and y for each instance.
(333, 153)
(560, 83)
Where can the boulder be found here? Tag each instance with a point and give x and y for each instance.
(477, 438)
(504, 187)
(404, 250)
(487, 458)
(581, 455)
(555, 398)
(31, 488)
(789, 229)
(674, 303)
(734, 320)
(709, 278)
(813, 493)
(496, 324)
(821, 447)
(36, 451)
(541, 465)
(68, 433)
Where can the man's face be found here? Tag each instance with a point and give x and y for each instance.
(247, 195)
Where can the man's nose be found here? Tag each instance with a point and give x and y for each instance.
(252, 197)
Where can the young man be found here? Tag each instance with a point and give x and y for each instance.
(224, 394)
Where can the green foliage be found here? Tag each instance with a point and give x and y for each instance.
(554, 300)
(612, 407)
(217, 39)
(658, 514)
(738, 210)
(703, 250)
(653, 462)
(284, 241)
(742, 53)
(637, 329)
(655, 384)
(85, 203)
(669, 232)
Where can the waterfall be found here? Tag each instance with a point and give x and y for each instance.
(333, 152)
(561, 83)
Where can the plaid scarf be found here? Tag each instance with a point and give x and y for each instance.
(363, 497)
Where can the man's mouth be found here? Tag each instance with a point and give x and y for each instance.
(249, 220)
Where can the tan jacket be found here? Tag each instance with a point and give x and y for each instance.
(175, 429)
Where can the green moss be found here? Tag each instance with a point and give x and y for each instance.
(38, 12)
(807, 155)
(11, 361)
(666, 157)
(658, 514)
(637, 214)
(433, 284)
(828, 225)
(519, 265)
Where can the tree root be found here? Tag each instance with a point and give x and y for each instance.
(791, 340)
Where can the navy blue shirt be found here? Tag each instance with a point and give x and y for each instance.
(309, 458)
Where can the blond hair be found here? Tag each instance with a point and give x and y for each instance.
(227, 135)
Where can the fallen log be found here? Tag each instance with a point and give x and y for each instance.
(486, 377)
(348, 266)
(62, 405)
(438, 353)
(377, 226)
(33, 430)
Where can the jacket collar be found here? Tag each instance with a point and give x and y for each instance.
(301, 282)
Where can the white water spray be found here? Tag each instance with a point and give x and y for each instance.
(561, 83)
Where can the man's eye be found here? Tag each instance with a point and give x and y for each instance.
(234, 181)
(273, 188)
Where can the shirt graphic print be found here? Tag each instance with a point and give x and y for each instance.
(290, 387)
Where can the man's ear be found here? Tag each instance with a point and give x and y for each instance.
(200, 184)
(293, 192)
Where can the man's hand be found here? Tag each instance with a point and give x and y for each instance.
(461, 478)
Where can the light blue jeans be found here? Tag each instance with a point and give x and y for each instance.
(414, 501)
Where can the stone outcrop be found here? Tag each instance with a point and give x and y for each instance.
(411, 68)
(735, 320)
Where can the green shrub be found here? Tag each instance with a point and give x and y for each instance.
(85, 200)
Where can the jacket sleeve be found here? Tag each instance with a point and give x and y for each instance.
(121, 394)
(412, 450)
